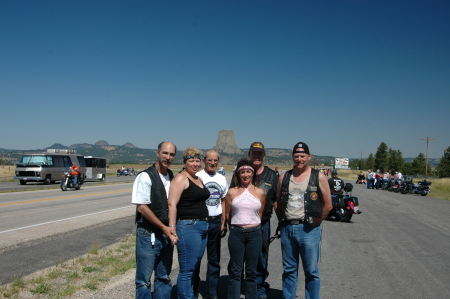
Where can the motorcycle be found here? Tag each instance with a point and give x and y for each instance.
(422, 188)
(361, 179)
(394, 185)
(67, 182)
(344, 205)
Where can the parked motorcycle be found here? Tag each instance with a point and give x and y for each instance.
(67, 182)
(361, 179)
(344, 205)
(394, 185)
(422, 188)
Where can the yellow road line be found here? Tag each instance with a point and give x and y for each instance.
(65, 197)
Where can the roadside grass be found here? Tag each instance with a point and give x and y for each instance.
(70, 276)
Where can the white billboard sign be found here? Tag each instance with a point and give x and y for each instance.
(341, 163)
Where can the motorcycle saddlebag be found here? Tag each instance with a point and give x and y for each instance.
(425, 183)
(338, 202)
(355, 200)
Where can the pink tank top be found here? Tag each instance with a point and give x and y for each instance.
(245, 209)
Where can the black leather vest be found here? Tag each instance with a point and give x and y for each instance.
(158, 203)
(313, 200)
(268, 181)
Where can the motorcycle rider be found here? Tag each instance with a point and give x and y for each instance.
(336, 184)
(74, 172)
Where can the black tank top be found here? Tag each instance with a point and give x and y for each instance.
(192, 204)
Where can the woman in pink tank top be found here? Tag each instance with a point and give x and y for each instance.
(244, 207)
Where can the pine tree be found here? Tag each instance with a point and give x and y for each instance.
(418, 165)
(381, 158)
(443, 168)
(395, 160)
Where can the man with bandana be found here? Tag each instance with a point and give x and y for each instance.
(303, 201)
(218, 188)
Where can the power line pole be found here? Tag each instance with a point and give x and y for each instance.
(428, 140)
(360, 162)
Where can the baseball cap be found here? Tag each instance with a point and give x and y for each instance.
(257, 146)
(300, 147)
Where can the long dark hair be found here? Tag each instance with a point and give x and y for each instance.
(244, 162)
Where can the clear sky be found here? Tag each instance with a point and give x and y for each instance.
(342, 76)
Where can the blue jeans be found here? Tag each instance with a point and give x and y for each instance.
(370, 183)
(149, 258)
(300, 240)
(213, 250)
(261, 269)
(385, 183)
(244, 245)
(75, 179)
(192, 236)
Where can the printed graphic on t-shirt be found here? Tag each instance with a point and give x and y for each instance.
(215, 194)
(296, 198)
(337, 185)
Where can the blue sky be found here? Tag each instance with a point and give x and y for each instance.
(342, 76)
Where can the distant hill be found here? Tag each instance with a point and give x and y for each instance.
(129, 154)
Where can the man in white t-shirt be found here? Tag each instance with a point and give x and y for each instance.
(154, 241)
(218, 188)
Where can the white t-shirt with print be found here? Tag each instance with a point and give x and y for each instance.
(218, 188)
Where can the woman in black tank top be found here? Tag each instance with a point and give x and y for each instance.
(188, 219)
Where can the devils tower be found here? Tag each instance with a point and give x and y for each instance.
(226, 143)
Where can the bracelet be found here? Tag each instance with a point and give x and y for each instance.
(172, 226)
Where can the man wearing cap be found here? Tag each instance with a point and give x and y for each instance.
(267, 180)
(303, 201)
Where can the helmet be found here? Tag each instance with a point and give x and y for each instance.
(334, 172)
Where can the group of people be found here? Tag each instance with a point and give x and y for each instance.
(196, 208)
(376, 181)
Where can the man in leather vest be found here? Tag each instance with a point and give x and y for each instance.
(154, 242)
(303, 201)
(267, 180)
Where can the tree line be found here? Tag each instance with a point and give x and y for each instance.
(388, 159)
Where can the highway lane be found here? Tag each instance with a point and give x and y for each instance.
(27, 208)
(40, 228)
(33, 186)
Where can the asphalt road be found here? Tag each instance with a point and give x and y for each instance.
(31, 186)
(397, 248)
(40, 228)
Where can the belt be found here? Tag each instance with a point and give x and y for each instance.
(246, 229)
(196, 219)
(215, 217)
(295, 222)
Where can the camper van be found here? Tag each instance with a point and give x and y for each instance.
(48, 167)
(95, 168)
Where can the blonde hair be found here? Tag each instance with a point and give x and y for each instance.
(191, 152)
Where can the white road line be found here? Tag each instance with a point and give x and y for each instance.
(34, 225)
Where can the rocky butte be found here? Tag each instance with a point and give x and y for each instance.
(226, 143)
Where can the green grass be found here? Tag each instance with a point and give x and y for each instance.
(68, 276)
